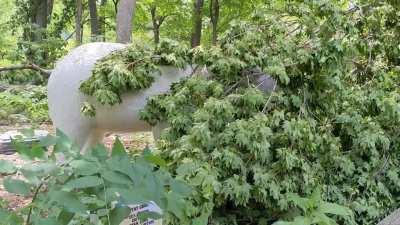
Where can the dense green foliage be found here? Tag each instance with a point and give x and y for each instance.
(131, 69)
(23, 104)
(92, 188)
(334, 121)
(254, 157)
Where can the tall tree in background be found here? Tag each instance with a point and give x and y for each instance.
(39, 17)
(94, 20)
(197, 23)
(214, 16)
(78, 22)
(152, 15)
(115, 3)
(50, 6)
(102, 19)
(125, 14)
(157, 21)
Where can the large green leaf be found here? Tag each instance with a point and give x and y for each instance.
(116, 177)
(176, 205)
(131, 196)
(47, 221)
(100, 152)
(7, 167)
(64, 217)
(156, 160)
(31, 152)
(84, 167)
(118, 214)
(17, 186)
(118, 149)
(83, 182)
(335, 209)
(10, 218)
(180, 188)
(68, 201)
(64, 144)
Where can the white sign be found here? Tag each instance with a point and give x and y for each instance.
(133, 218)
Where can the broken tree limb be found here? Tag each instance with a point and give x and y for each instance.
(30, 66)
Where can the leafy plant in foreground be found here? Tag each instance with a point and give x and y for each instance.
(67, 187)
(314, 211)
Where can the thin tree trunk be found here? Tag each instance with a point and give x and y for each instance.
(156, 25)
(94, 22)
(126, 11)
(214, 15)
(78, 22)
(197, 23)
(102, 19)
(115, 2)
(50, 5)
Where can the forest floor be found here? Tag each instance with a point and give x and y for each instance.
(132, 141)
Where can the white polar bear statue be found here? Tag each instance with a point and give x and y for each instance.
(65, 99)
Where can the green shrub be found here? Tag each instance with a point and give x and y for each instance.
(131, 69)
(67, 187)
(22, 104)
(333, 122)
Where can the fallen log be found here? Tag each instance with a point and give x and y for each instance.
(30, 66)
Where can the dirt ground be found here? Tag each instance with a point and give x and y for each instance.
(132, 141)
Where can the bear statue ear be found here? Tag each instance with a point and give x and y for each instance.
(261, 80)
(266, 83)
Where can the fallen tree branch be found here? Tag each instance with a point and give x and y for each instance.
(30, 66)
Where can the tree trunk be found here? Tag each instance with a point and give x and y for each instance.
(115, 2)
(126, 11)
(94, 22)
(214, 15)
(197, 23)
(39, 18)
(78, 22)
(156, 25)
(50, 4)
(102, 19)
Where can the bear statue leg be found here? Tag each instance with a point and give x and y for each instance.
(157, 130)
(93, 138)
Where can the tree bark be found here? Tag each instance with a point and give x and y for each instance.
(39, 19)
(50, 6)
(156, 24)
(126, 11)
(102, 19)
(94, 21)
(214, 15)
(78, 22)
(41, 14)
(197, 23)
(115, 2)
